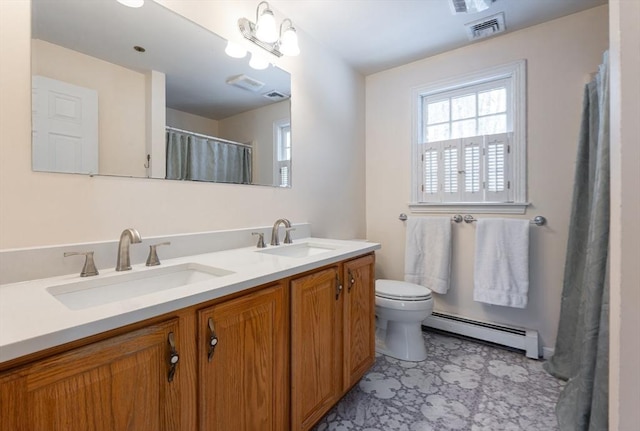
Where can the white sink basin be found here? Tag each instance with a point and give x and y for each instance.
(304, 249)
(99, 291)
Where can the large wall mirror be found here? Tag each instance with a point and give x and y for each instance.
(144, 92)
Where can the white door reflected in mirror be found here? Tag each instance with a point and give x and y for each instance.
(65, 127)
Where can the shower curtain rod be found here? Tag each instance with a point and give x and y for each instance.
(199, 135)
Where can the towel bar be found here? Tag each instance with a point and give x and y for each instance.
(456, 218)
(537, 220)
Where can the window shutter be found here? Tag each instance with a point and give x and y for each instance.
(497, 181)
(430, 190)
(284, 173)
(472, 167)
(450, 168)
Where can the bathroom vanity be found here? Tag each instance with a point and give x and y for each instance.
(271, 344)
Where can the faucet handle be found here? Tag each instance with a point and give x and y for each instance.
(260, 239)
(152, 259)
(89, 269)
(287, 236)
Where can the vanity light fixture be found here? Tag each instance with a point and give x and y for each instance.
(264, 32)
(266, 29)
(289, 39)
(258, 62)
(235, 50)
(132, 3)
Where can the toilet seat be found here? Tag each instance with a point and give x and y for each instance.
(401, 291)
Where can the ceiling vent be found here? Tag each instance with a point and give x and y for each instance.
(486, 27)
(275, 95)
(469, 6)
(245, 82)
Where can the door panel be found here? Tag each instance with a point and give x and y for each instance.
(243, 385)
(117, 384)
(65, 127)
(316, 346)
(359, 317)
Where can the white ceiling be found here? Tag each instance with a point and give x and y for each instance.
(374, 35)
(370, 35)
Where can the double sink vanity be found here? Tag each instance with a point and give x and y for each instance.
(239, 339)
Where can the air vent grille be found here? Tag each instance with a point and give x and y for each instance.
(275, 95)
(245, 82)
(486, 27)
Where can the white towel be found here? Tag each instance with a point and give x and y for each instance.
(501, 272)
(427, 258)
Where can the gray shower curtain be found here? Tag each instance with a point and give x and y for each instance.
(200, 159)
(582, 348)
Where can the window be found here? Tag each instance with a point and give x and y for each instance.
(469, 140)
(282, 165)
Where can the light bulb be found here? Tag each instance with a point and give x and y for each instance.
(132, 3)
(289, 42)
(266, 29)
(258, 62)
(234, 50)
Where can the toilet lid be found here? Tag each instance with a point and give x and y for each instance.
(401, 290)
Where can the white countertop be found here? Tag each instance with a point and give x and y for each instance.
(32, 319)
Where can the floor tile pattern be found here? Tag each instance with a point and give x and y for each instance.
(463, 385)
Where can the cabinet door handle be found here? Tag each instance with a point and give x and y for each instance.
(213, 340)
(352, 281)
(173, 356)
(338, 287)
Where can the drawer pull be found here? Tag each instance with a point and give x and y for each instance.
(213, 340)
(174, 358)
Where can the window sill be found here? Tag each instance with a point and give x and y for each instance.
(471, 207)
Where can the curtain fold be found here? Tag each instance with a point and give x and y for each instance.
(582, 347)
(206, 159)
(176, 156)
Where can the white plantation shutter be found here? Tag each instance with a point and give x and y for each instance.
(467, 170)
(449, 180)
(284, 171)
(430, 187)
(472, 169)
(497, 182)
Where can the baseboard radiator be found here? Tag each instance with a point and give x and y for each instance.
(518, 338)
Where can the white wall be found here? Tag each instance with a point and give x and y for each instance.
(121, 103)
(328, 167)
(193, 123)
(256, 127)
(560, 56)
(624, 352)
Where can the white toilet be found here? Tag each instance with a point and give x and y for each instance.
(400, 309)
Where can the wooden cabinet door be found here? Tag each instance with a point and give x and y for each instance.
(359, 319)
(114, 385)
(244, 381)
(316, 346)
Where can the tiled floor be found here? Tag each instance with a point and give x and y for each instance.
(463, 385)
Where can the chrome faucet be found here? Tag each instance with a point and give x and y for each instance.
(128, 236)
(274, 231)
